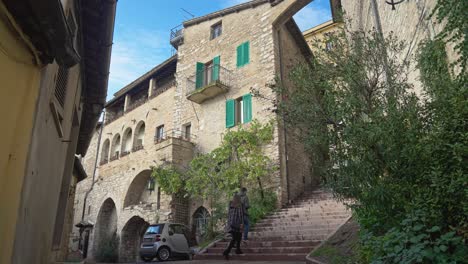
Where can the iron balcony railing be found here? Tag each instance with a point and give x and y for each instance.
(173, 133)
(213, 74)
(177, 36)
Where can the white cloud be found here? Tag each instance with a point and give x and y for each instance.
(309, 17)
(134, 53)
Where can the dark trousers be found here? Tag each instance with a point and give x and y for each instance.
(236, 238)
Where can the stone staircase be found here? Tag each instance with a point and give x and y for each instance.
(290, 233)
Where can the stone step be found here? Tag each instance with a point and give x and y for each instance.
(248, 250)
(257, 244)
(270, 237)
(306, 217)
(314, 205)
(280, 257)
(281, 233)
(273, 224)
(272, 228)
(308, 211)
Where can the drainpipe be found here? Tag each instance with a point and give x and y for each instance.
(95, 166)
(284, 125)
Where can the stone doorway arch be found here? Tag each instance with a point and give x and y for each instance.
(131, 238)
(105, 232)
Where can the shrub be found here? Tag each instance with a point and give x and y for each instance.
(108, 249)
(259, 207)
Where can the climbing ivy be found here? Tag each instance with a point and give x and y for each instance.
(453, 15)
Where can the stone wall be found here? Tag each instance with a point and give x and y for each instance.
(408, 22)
(256, 25)
(295, 160)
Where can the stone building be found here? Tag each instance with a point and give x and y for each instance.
(408, 21)
(184, 106)
(54, 64)
(319, 32)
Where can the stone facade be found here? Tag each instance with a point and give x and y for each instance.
(409, 22)
(118, 200)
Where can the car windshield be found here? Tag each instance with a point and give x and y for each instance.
(156, 229)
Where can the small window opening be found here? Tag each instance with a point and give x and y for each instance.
(216, 30)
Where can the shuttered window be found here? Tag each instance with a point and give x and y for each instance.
(230, 113)
(199, 75)
(243, 54)
(216, 66)
(61, 85)
(247, 108)
(239, 110)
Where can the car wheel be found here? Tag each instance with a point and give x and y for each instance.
(146, 259)
(164, 254)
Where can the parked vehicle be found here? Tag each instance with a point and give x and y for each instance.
(164, 241)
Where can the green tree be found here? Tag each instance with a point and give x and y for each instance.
(215, 176)
(401, 157)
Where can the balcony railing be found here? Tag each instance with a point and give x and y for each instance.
(124, 153)
(114, 157)
(103, 161)
(177, 36)
(175, 134)
(137, 148)
(208, 83)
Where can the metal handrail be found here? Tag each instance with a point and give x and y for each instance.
(225, 77)
(176, 31)
(175, 133)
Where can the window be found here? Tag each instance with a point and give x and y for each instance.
(328, 46)
(160, 133)
(243, 56)
(216, 30)
(187, 131)
(239, 110)
(206, 73)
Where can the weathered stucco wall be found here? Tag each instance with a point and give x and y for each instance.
(18, 94)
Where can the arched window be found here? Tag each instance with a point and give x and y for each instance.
(126, 142)
(105, 151)
(201, 219)
(115, 150)
(139, 136)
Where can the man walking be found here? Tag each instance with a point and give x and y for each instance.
(245, 203)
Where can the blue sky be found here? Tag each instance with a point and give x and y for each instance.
(142, 27)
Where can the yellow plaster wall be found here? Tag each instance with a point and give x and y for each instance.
(19, 86)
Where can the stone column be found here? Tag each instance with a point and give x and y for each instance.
(152, 87)
(127, 102)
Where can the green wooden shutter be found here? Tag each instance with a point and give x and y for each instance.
(246, 53)
(239, 56)
(215, 70)
(230, 113)
(199, 75)
(247, 111)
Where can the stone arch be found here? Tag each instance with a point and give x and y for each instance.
(127, 141)
(138, 193)
(130, 239)
(201, 218)
(105, 232)
(105, 150)
(115, 148)
(293, 6)
(139, 135)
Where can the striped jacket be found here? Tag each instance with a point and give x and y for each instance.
(235, 218)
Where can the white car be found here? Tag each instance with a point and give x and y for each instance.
(164, 241)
